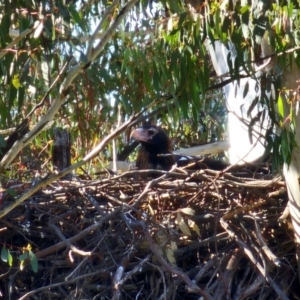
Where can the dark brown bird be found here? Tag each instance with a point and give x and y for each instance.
(154, 141)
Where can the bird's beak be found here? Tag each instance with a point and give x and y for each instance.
(140, 135)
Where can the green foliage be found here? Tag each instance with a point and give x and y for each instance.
(7, 257)
(157, 54)
(280, 106)
(11, 192)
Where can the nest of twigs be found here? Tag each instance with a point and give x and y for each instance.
(183, 235)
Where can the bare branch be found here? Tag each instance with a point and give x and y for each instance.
(17, 40)
(73, 73)
(110, 31)
(68, 170)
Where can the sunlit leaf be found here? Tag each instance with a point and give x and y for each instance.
(22, 265)
(174, 246)
(187, 210)
(38, 30)
(182, 225)
(170, 256)
(170, 24)
(280, 106)
(194, 226)
(244, 9)
(9, 259)
(16, 82)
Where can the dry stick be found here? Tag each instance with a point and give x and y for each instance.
(205, 269)
(191, 286)
(254, 261)
(254, 286)
(163, 296)
(66, 171)
(92, 55)
(122, 203)
(142, 172)
(280, 192)
(241, 210)
(161, 172)
(250, 289)
(28, 31)
(262, 184)
(79, 236)
(147, 189)
(50, 286)
(135, 270)
(212, 284)
(224, 288)
(249, 183)
(67, 242)
(49, 90)
(215, 185)
(68, 278)
(87, 196)
(267, 268)
(284, 215)
(107, 14)
(116, 286)
(12, 283)
(272, 257)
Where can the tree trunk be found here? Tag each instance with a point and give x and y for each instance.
(61, 151)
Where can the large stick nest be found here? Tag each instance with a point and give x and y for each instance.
(183, 235)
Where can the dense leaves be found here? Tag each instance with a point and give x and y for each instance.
(157, 54)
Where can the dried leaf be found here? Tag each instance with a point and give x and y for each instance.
(165, 196)
(194, 226)
(187, 210)
(154, 257)
(161, 237)
(151, 211)
(182, 225)
(123, 196)
(170, 256)
(174, 246)
(144, 245)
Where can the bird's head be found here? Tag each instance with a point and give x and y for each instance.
(154, 141)
(153, 137)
